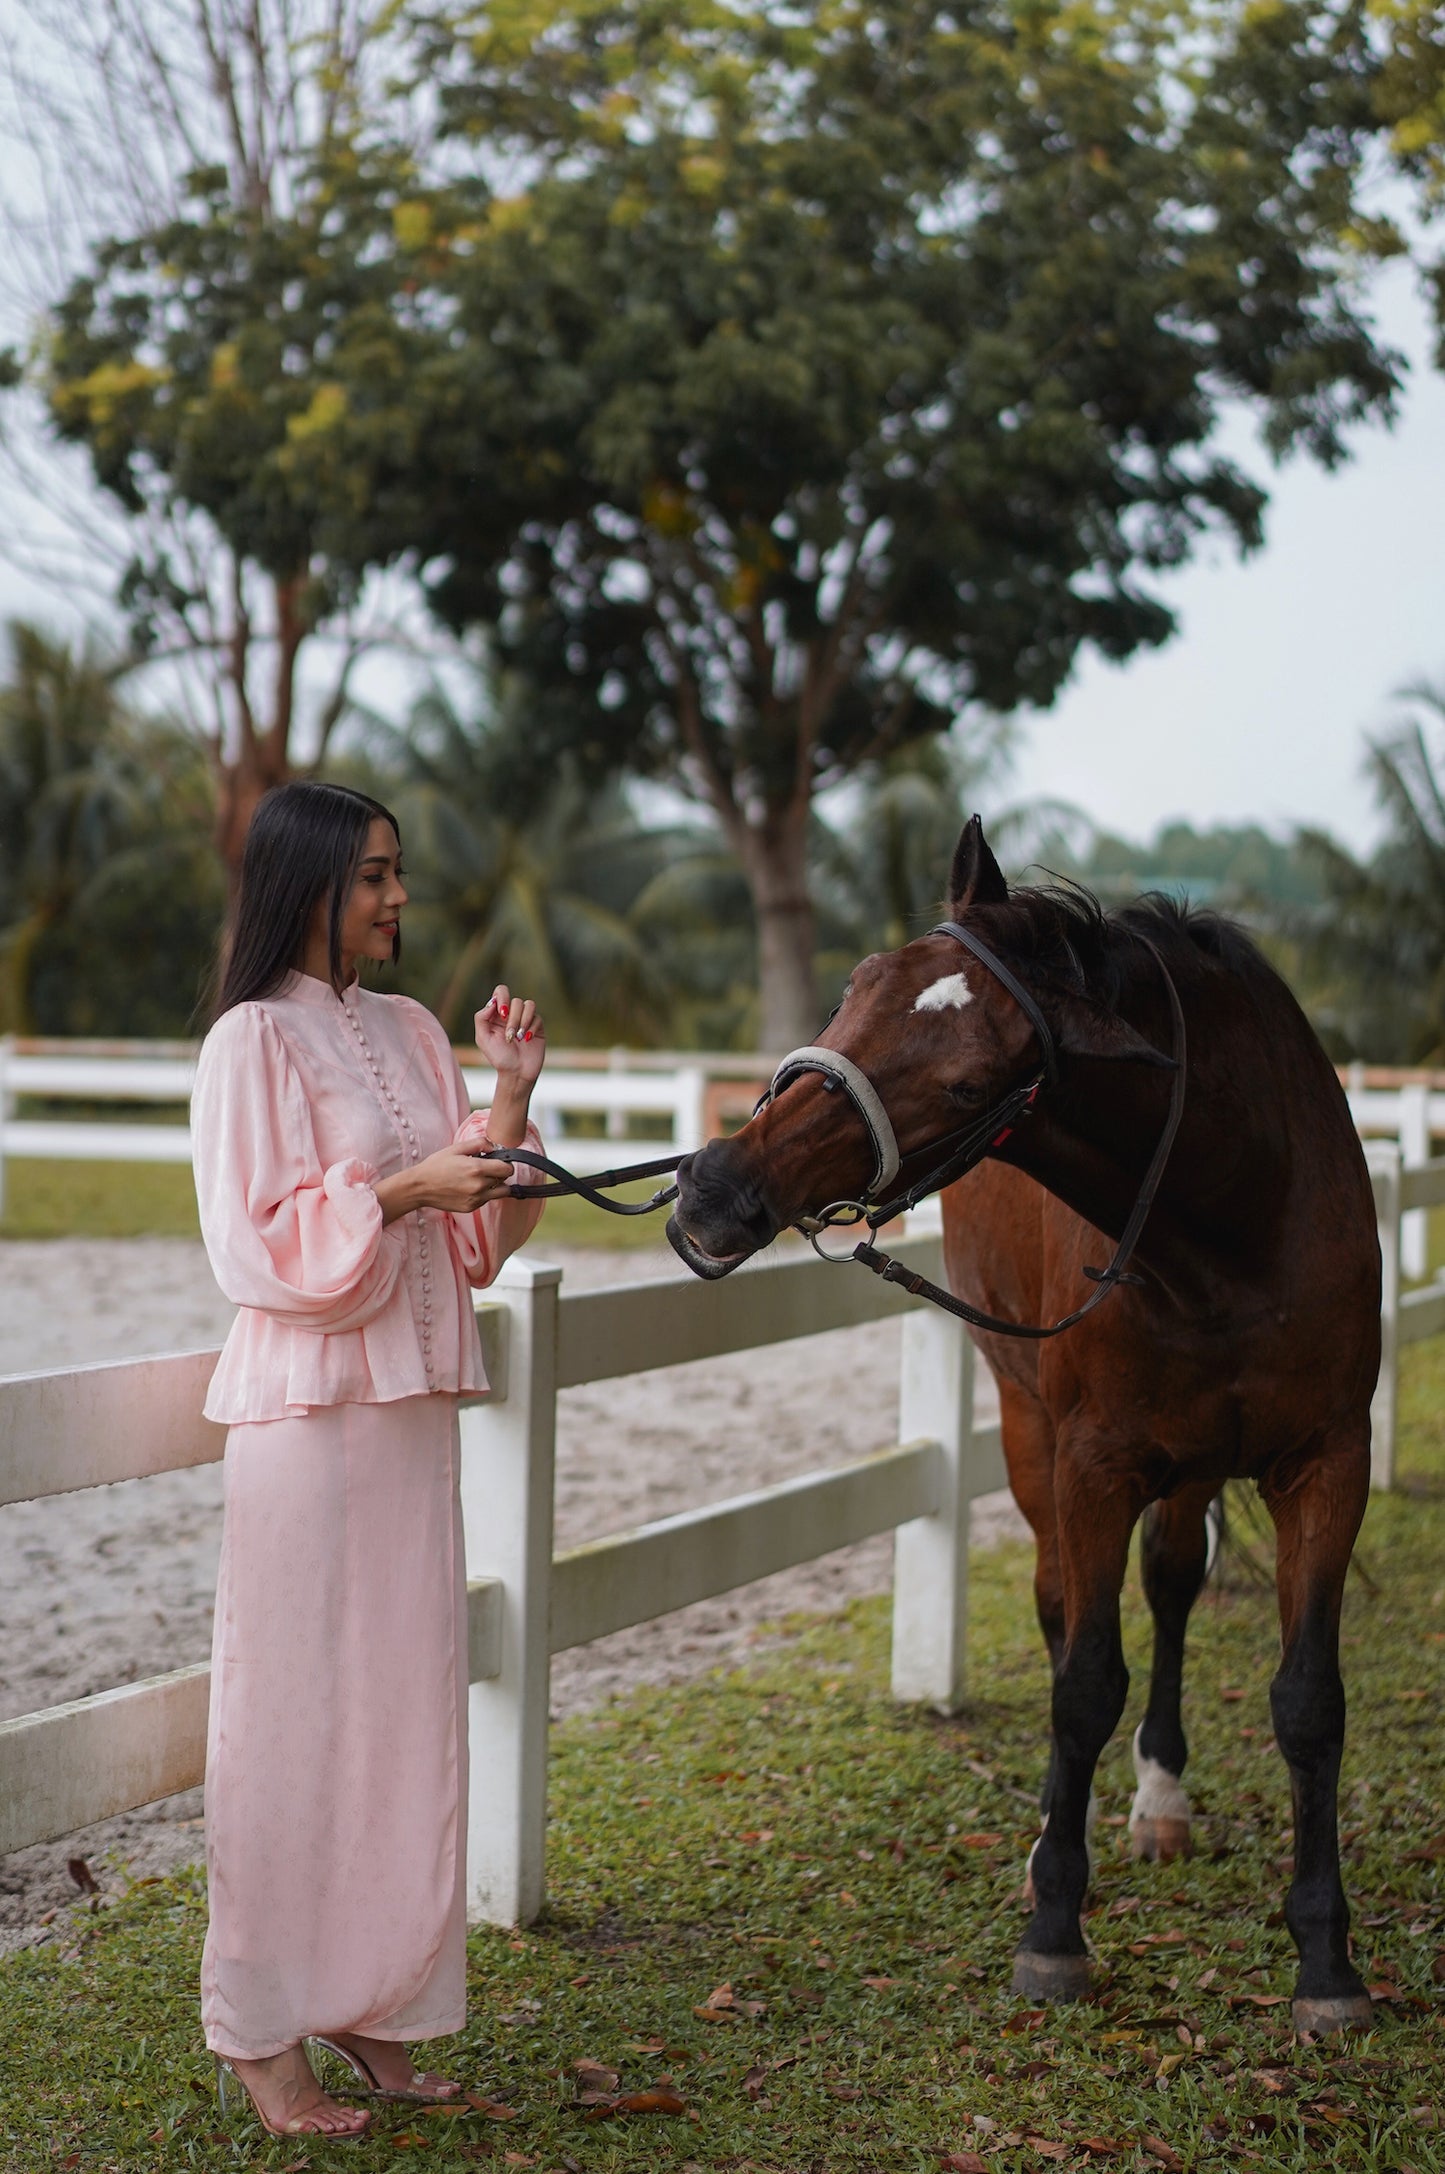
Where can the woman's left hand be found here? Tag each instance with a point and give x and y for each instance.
(511, 1037)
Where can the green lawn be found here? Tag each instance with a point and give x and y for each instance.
(849, 1870)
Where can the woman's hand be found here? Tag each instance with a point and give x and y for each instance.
(511, 1039)
(458, 1179)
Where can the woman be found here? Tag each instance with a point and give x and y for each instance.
(349, 1208)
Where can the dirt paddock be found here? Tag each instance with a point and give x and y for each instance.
(112, 1584)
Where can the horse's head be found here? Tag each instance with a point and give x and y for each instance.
(941, 1042)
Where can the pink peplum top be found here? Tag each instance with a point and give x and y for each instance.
(302, 1100)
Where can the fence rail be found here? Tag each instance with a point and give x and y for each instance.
(70, 1765)
(87, 1426)
(694, 1096)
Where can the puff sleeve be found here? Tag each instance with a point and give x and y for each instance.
(301, 1243)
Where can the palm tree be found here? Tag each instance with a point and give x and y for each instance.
(880, 866)
(564, 893)
(1372, 954)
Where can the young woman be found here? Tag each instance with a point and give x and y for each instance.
(349, 1208)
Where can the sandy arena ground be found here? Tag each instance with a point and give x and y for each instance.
(106, 1586)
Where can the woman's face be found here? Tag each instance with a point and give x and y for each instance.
(369, 924)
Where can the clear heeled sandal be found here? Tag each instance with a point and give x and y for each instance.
(301, 2126)
(372, 2087)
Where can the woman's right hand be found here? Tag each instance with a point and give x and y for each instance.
(458, 1179)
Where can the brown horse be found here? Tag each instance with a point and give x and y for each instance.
(1244, 1343)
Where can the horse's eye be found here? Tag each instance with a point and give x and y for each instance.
(966, 1092)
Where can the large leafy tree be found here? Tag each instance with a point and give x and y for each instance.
(812, 374)
(230, 359)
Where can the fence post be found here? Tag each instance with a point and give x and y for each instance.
(618, 1058)
(1384, 1162)
(507, 1468)
(930, 1555)
(1415, 1153)
(7, 1104)
(689, 1127)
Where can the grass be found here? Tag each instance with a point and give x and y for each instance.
(849, 1871)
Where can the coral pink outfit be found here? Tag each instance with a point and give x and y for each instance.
(336, 1765)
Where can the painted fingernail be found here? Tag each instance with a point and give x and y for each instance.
(528, 1035)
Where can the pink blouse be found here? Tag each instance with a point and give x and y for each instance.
(302, 1101)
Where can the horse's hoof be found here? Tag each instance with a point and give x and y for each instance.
(1347, 2012)
(1050, 1977)
(1160, 1840)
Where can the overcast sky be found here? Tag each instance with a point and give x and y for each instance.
(1259, 707)
(1283, 662)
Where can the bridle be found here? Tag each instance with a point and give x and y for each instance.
(960, 1151)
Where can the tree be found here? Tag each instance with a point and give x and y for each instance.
(1410, 98)
(198, 359)
(554, 887)
(1372, 953)
(812, 375)
(109, 904)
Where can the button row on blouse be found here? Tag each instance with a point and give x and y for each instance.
(406, 1126)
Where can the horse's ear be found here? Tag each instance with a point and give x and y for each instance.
(1085, 1029)
(975, 878)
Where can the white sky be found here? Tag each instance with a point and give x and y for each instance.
(1284, 661)
(1259, 707)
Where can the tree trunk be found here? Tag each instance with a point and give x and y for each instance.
(775, 861)
(239, 786)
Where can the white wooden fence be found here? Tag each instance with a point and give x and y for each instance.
(1402, 1195)
(616, 1085)
(86, 1426)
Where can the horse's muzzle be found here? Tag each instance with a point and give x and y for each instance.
(720, 1219)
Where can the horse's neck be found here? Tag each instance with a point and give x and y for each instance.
(1093, 1141)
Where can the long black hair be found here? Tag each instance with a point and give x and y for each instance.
(305, 844)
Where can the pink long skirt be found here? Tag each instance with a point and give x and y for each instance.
(336, 1768)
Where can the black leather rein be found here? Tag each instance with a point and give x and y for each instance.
(964, 1150)
(959, 1152)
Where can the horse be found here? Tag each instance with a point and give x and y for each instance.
(1241, 1341)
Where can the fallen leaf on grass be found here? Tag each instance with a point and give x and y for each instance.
(1384, 1991)
(1166, 2155)
(82, 1875)
(408, 2140)
(753, 2082)
(1104, 2147)
(1430, 1852)
(843, 2090)
(962, 2162)
(976, 1841)
(656, 2101)
(1257, 2000)
(1027, 2019)
(595, 2081)
(494, 2109)
(518, 2158)
(1047, 2148)
(880, 1985)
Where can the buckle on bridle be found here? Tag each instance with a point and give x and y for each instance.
(839, 1215)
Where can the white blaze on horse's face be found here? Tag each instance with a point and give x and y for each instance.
(950, 994)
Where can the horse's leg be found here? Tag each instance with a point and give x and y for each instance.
(1028, 1444)
(1028, 1447)
(1317, 1503)
(1176, 1552)
(1091, 1683)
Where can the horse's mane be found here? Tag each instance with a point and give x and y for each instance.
(1063, 933)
